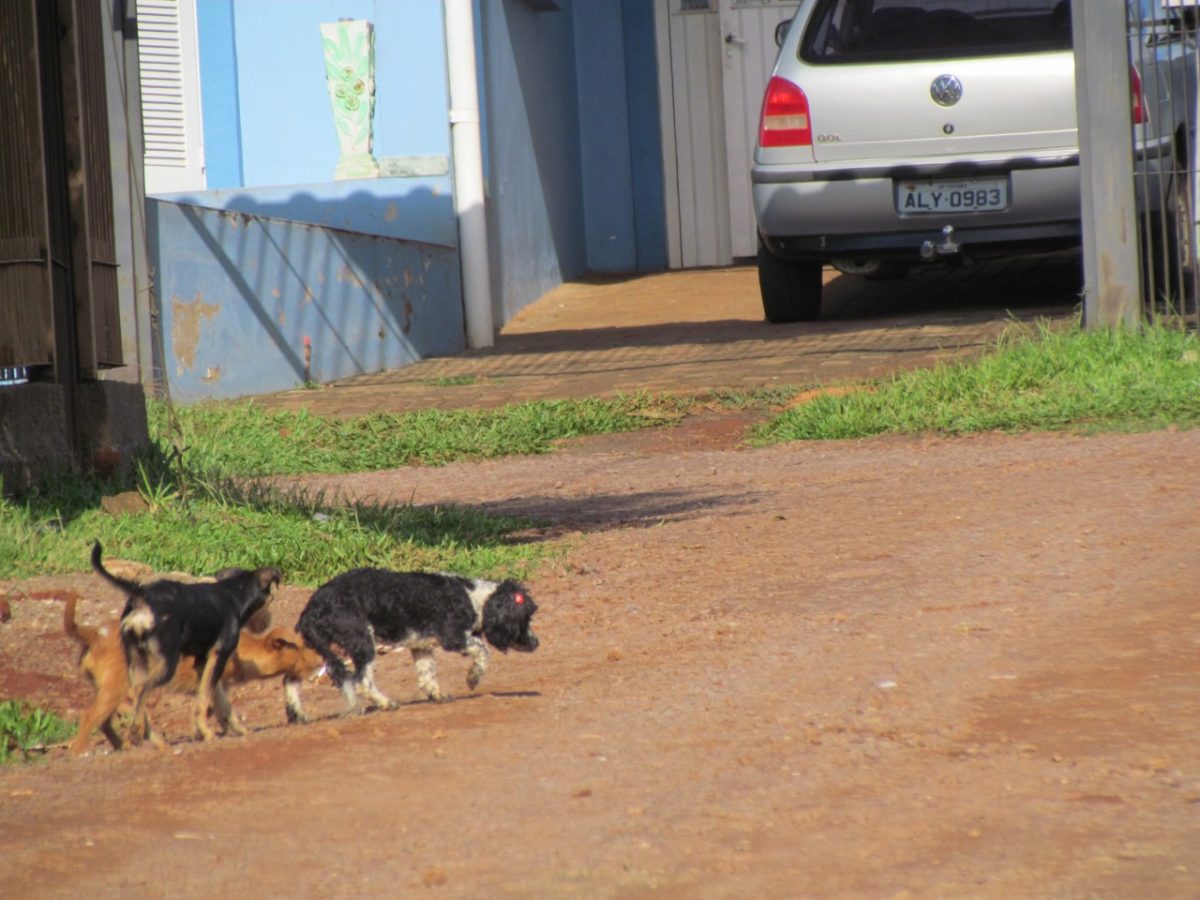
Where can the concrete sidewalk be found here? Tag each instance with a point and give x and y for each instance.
(700, 329)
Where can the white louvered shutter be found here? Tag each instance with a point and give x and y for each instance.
(171, 118)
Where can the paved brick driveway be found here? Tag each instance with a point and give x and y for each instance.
(687, 331)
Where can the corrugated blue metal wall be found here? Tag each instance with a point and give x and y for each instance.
(239, 295)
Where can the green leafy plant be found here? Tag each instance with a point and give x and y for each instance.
(25, 728)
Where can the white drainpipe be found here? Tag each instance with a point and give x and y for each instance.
(467, 160)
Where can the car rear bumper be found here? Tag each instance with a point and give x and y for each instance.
(821, 212)
(830, 213)
(972, 242)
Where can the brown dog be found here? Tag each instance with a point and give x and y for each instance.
(279, 651)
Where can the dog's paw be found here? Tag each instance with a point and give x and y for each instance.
(473, 679)
(296, 717)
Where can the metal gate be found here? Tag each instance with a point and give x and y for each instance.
(1163, 76)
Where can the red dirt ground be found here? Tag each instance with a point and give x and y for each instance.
(890, 668)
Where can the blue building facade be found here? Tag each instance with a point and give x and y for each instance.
(365, 271)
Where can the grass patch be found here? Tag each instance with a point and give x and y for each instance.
(1036, 379)
(453, 380)
(245, 439)
(204, 510)
(223, 522)
(24, 728)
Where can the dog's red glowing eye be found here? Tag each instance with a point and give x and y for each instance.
(518, 598)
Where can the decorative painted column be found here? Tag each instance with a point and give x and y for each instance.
(350, 76)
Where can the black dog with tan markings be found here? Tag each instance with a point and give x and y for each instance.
(166, 620)
(420, 611)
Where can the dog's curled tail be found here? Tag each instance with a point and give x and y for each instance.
(82, 634)
(130, 587)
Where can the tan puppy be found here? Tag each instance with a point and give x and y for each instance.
(279, 651)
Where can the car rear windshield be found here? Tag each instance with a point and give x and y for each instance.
(898, 30)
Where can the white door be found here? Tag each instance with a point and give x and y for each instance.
(693, 131)
(168, 59)
(715, 57)
(748, 43)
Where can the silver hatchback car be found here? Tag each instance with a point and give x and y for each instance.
(898, 132)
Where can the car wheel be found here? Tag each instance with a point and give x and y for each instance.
(1169, 272)
(791, 290)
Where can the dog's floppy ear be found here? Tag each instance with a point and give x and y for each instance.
(260, 621)
(268, 577)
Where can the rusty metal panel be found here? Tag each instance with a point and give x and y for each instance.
(50, 29)
(98, 309)
(26, 331)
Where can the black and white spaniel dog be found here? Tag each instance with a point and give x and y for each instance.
(363, 608)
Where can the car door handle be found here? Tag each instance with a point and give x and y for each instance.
(732, 38)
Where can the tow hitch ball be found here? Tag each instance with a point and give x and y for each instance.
(945, 247)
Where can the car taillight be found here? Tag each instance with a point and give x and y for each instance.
(1135, 90)
(784, 121)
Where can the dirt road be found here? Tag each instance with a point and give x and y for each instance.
(897, 668)
(891, 668)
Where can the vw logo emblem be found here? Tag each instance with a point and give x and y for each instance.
(946, 90)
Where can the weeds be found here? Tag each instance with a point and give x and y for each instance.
(24, 729)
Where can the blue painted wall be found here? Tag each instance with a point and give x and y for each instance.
(645, 139)
(238, 294)
(604, 146)
(574, 157)
(415, 209)
(531, 127)
(268, 127)
(620, 144)
(277, 249)
(219, 94)
(262, 68)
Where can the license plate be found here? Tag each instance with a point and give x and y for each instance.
(951, 195)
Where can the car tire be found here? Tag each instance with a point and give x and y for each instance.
(791, 290)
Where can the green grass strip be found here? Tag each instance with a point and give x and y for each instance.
(245, 439)
(226, 524)
(1036, 379)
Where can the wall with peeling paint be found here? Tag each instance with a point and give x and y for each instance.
(239, 294)
(412, 209)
